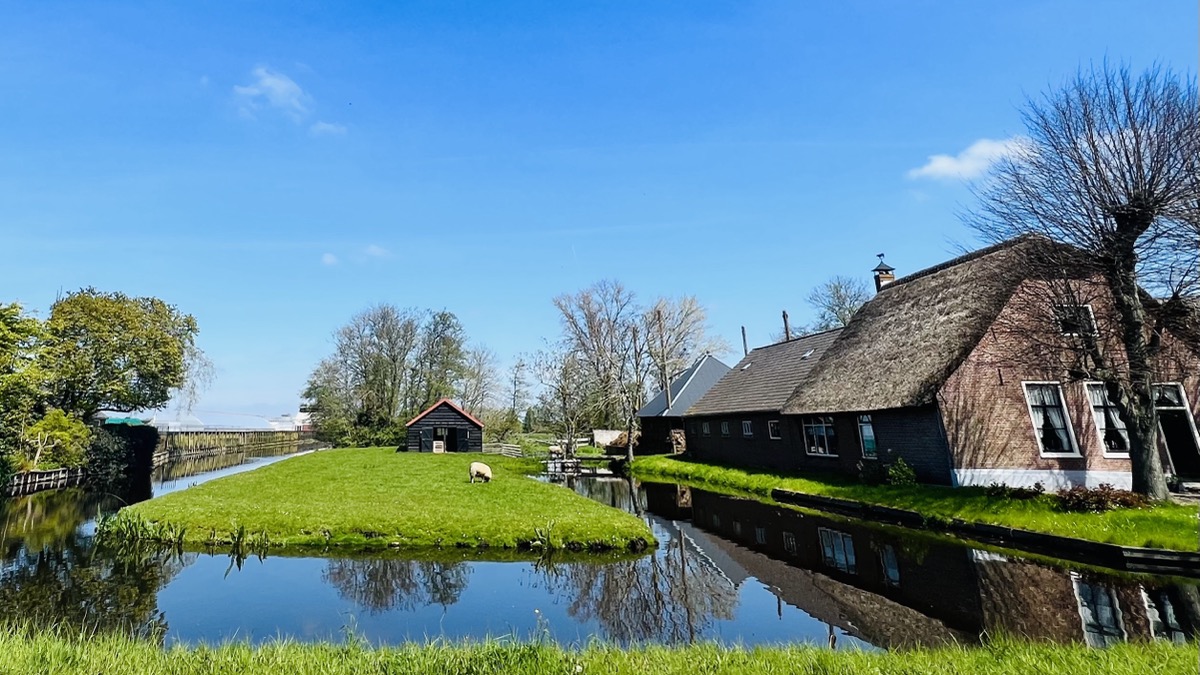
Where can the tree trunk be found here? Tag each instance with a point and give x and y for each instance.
(1137, 401)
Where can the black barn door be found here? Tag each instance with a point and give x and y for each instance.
(427, 440)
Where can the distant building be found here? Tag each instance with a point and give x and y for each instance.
(444, 427)
(663, 414)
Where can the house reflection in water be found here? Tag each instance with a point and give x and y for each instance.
(895, 589)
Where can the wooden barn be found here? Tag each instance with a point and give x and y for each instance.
(444, 427)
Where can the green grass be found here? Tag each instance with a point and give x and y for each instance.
(1171, 526)
(22, 652)
(378, 498)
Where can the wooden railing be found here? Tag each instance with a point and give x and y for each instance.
(29, 482)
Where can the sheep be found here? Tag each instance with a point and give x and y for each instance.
(481, 471)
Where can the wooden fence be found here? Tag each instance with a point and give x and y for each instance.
(176, 445)
(506, 449)
(29, 482)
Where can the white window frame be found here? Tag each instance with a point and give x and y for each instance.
(1033, 425)
(804, 436)
(747, 429)
(773, 430)
(725, 428)
(789, 542)
(1186, 407)
(705, 430)
(1096, 423)
(1091, 314)
(862, 443)
(1077, 582)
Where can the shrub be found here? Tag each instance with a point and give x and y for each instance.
(900, 473)
(1002, 491)
(8, 469)
(1096, 500)
(108, 459)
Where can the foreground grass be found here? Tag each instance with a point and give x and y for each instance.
(45, 653)
(1171, 526)
(378, 498)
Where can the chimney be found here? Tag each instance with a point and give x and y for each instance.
(745, 345)
(883, 274)
(787, 328)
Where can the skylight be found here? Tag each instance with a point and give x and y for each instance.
(808, 353)
(747, 365)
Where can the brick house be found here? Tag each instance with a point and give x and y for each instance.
(965, 370)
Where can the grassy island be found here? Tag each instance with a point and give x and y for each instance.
(376, 498)
(66, 654)
(1169, 526)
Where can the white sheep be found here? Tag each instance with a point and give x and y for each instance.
(481, 471)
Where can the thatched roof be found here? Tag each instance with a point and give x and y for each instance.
(905, 342)
(686, 388)
(766, 377)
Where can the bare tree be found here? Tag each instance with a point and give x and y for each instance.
(836, 301)
(479, 378)
(566, 395)
(517, 392)
(1109, 167)
(597, 323)
(676, 332)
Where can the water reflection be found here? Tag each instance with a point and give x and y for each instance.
(726, 569)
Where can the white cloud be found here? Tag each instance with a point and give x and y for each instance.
(327, 129)
(970, 163)
(273, 89)
(329, 259)
(376, 251)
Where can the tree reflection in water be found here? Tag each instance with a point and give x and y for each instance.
(382, 584)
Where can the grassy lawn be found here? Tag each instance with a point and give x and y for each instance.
(45, 653)
(378, 498)
(1171, 526)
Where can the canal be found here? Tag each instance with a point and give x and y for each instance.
(727, 569)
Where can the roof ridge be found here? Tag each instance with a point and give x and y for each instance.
(797, 339)
(969, 257)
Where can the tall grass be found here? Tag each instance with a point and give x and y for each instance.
(47, 652)
(1164, 525)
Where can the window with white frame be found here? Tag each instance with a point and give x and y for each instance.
(704, 429)
(837, 550)
(773, 430)
(1160, 612)
(866, 437)
(820, 437)
(1114, 437)
(890, 564)
(1100, 613)
(1051, 425)
(760, 535)
(724, 428)
(789, 542)
(1075, 319)
(747, 428)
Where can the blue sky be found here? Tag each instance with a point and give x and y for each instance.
(273, 168)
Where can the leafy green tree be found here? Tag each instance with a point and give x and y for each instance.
(20, 379)
(58, 439)
(115, 352)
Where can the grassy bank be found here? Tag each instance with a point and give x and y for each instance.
(42, 653)
(378, 498)
(1171, 526)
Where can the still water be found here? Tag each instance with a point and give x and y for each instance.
(727, 569)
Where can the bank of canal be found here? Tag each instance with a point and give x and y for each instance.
(727, 569)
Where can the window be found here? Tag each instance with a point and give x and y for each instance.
(724, 428)
(1051, 425)
(1100, 613)
(716, 520)
(760, 535)
(1075, 319)
(773, 430)
(866, 436)
(747, 428)
(837, 550)
(737, 527)
(704, 428)
(891, 566)
(1167, 396)
(1114, 437)
(820, 438)
(1160, 611)
(789, 542)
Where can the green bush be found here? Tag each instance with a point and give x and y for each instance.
(8, 469)
(900, 473)
(1002, 491)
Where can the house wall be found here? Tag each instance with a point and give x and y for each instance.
(986, 415)
(445, 416)
(655, 436)
(914, 434)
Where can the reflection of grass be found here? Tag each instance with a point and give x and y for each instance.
(377, 498)
(1171, 526)
(25, 651)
